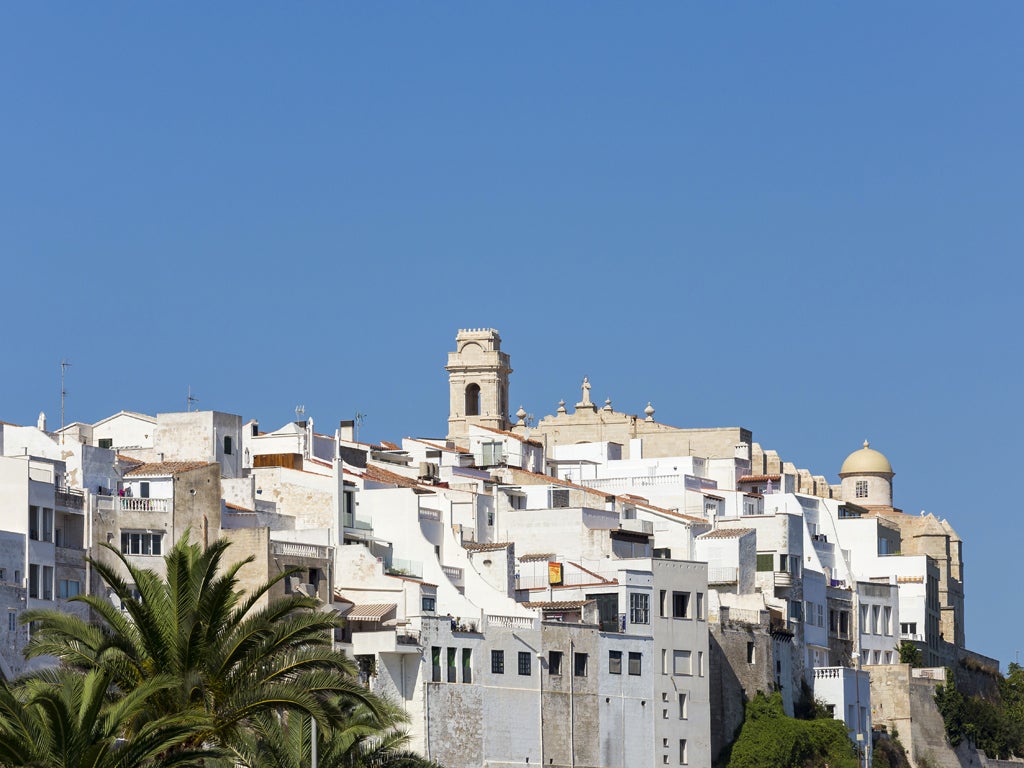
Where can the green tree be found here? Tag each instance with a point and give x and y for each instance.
(953, 710)
(911, 654)
(361, 740)
(68, 721)
(231, 659)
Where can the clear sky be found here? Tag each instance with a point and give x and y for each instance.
(800, 218)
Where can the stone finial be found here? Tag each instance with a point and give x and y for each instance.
(649, 411)
(867, 444)
(521, 417)
(607, 405)
(41, 422)
(561, 406)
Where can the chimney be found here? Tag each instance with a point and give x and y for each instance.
(346, 430)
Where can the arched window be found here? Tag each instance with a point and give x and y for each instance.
(473, 400)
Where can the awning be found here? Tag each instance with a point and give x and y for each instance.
(370, 611)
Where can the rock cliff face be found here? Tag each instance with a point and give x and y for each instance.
(903, 700)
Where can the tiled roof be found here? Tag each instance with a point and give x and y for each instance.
(759, 478)
(707, 495)
(389, 446)
(557, 605)
(473, 546)
(439, 447)
(527, 440)
(379, 475)
(237, 508)
(164, 468)
(535, 556)
(725, 533)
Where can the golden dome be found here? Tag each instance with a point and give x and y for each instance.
(866, 461)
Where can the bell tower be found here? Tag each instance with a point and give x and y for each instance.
(478, 374)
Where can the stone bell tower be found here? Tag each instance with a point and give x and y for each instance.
(478, 374)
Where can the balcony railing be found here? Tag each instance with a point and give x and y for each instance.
(723, 574)
(69, 498)
(140, 504)
(511, 622)
(456, 575)
(294, 549)
(430, 514)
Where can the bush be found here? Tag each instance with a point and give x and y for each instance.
(770, 739)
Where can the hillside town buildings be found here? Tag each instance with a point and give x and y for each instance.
(599, 589)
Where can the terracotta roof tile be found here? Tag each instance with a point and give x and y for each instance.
(759, 478)
(521, 439)
(163, 468)
(472, 546)
(725, 533)
(557, 605)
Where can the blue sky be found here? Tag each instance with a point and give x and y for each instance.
(799, 218)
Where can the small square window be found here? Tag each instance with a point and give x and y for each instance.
(615, 662)
(554, 662)
(634, 663)
(524, 663)
(498, 662)
(579, 667)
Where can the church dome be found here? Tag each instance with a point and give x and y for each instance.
(866, 461)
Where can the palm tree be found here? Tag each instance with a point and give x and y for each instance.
(67, 721)
(361, 740)
(229, 657)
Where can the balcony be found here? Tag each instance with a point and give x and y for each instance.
(69, 498)
(723, 574)
(783, 579)
(309, 551)
(140, 504)
(455, 575)
(430, 514)
(385, 641)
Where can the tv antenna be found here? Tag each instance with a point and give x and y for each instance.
(64, 365)
(190, 400)
(300, 411)
(360, 418)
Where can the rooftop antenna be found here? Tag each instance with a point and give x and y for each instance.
(190, 399)
(64, 365)
(300, 411)
(360, 418)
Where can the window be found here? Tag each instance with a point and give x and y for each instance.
(908, 627)
(33, 580)
(662, 597)
(435, 663)
(681, 664)
(700, 605)
(680, 605)
(524, 663)
(751, 652)
(559, 498)
(106, 442)
(467, 665)
(861, 489)
(138, 543)
(47, 524)
(821, 615)
(579, 665)
(144, 489)
(682, 751)
(683, 714)
(639, 608)
(700, 663)
(887, 621)
(12, 621)
(67, 588)
(876, 611)
(634, 663)
(428, 604)
(554, 662)
(33, 523)
(492, 453)
(473, 400)
(227, 445)
(615, 662)
(451, 665)
(490, 519)
(765, 562)
(497, 662)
